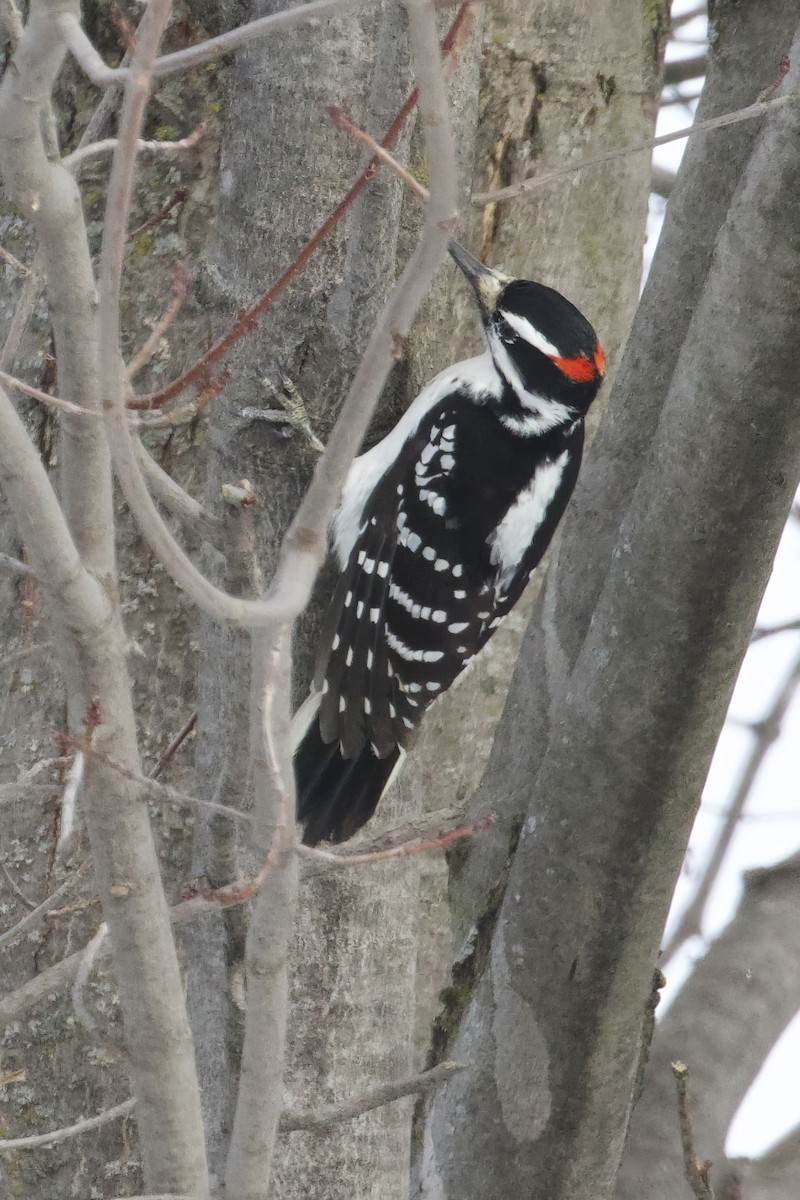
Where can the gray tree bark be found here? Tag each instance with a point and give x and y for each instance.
(616, 705)
(281, 155)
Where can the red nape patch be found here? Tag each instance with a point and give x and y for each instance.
(581, 369)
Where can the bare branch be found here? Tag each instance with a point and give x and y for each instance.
(49, 982)
(749, 113)
(182, 60)
(14, 262)
(37, 914)
(86, 153)
(26, 306)
(316, 1121)
(174, 746)
(45, 398)
(210, 598)
(162, 793)
(696, 1173)
(415, 845)
(70, 1131)
(176, 500)
(318, 505)
(180, 286)
(769, 631)
(343, 122)
(684, 69)
(322, 1119)
(16, 889)
(766, 733)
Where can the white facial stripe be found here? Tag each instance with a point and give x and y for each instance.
(530, 333)
(544, 413)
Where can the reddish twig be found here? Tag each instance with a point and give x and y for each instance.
(177, 200)
(180, 286)
(120, 23)
(413, 846)
(697, 1173)
(783, 70)
(187, 412)
(174, 746)
(201, 899)
(248, 319)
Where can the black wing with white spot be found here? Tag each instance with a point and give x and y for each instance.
(446, 542)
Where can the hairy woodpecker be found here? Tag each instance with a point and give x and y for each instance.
(440, 527)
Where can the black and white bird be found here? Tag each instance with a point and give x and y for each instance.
(440, 527)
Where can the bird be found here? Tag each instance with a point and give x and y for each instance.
(440, 526)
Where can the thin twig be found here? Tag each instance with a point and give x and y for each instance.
(767, 732)
(177, 501)
(697, 1173)
(185, 413)
(70, 1131)
(14, 1005)
(343, 122)
(415, 845)
(245, 322)
(83, 154)
(40, 912)
(26, 306)
(759, 633)
(161, 793)
(749, 113)
(44, 397)
(322, 1119)
(174, 746)
(180, 286)
(176, 200)
(69, 910)
(16, 889)
(318, 1120)
(14, 262)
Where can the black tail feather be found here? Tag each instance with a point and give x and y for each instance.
(335, 795)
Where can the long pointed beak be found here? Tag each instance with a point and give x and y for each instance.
(488, 283)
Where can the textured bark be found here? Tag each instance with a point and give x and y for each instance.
(746, 981)
(646, 618)
(281, 156)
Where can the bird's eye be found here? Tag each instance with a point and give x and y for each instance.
(504, 331)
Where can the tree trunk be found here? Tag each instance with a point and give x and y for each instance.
(660, 571)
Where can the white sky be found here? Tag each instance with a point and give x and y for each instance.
(770, 829)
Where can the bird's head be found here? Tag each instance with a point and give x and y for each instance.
(540, 343)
